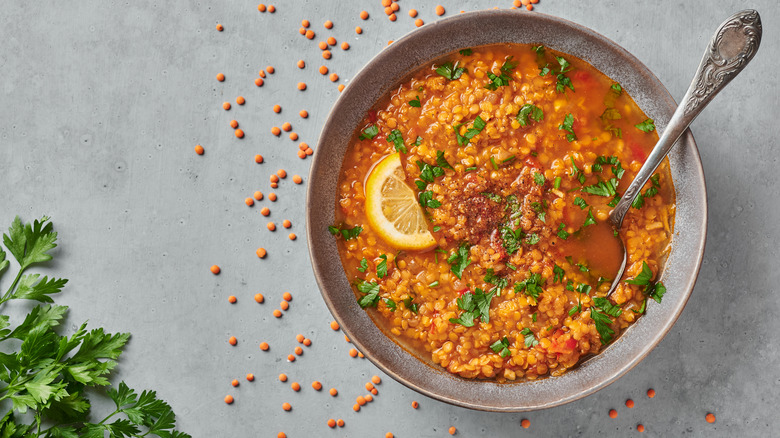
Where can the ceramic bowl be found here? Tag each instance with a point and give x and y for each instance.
(396, 63)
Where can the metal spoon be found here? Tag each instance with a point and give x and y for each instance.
(729, 51)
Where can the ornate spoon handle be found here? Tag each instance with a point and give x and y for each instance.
(731, 48)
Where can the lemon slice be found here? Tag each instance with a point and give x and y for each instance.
(392, 208)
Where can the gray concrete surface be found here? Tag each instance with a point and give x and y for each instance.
(104, 101)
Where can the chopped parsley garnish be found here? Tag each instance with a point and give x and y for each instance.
(397, 139)
(584, 288)
(617, 168)
(529, 337)
(346, 233)
(511, 266)
(426, 199)
(607, 117)
(502, 79)
(493, 162)
(415, 102)
(539, 179)
(437, 228)
(493, 197)
(608, 308)
(639, 201)
(531, 285)
(562, 233)
(429, 173)
(475, 129)
(614, 92)
(371, 291)
(539, 208)
(459, 259)
(499, 282)
(558, 273)
(466, 52)
(501, 347)
(602, 325)
(450, 71)
(576, 172)
(568, 126)
(641, 309)
(434, 284)
(603, 188)
(369, 133)
(570, 285)
(475, 305)
(563, 81)
(508, 159)
(589, 220)
(647, 126)
(532, 239)
(390, 304)
(538, 49)
(418, 141)
(363, 265)
(512, 238)
(654, 290)
(529, 112)
(410, 305)
(533, 317)
(557, 183)
(576, 308)
(442, 162)
(470, 169)
(381, 268)
(579, 202)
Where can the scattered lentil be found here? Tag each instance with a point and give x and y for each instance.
(265, 211)
(277, 313)
(304, 114)
(334, 325)
(286, 126)
(240, 100)
(259, 82)
(376, 380)
(220, 27)
(271, 8)
(233, 124)
(239, 133)
(301, 86)
(259, 297)
(284, 305)
(250, 377)
(292, 236)
(328, 24)
(232, 299)
(271, 226)
(439, 10)
(345, 46)
(286, 223)
(361, 400)
(358, 30)
(264, 346)
(305, 23)
(710, 418)
(331, 423)
(364, 15)
(526, 423)
(220, 77)
(277, 109)
(419, 22)
(340, 422)
(453, 430)
(258, 158)
(261, 7)
(293, 136)
(272, 197)
(412, 13)
(310, 34)
(316, 385)
(331, 41)
(215, 269)
(199, 149)
(629, 403)
(229, 399)
(232, 340)
(392, 17)
(301, 64)
(640, 428)
(334, 77)
(356, 407)
(333, 392)
(307, 342)
(290, 358)
(297, 179)
(326, 54)
(276, 131)
(234, 382)
(613, 413)
(353, 352)
(651, 392)
(286, 406)
(296, 386)
(415, 405)
(226, 106)
(270, 69)
(323, 70)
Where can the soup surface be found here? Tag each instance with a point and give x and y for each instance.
(464, 198)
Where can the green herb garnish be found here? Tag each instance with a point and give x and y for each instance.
(369, 133)
(346, 233)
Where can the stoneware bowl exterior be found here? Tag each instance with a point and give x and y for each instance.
(396, 63)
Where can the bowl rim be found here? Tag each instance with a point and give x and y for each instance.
(431, 380)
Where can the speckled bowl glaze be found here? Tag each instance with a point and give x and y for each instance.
(397, 62)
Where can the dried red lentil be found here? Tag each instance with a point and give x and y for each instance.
(259, 297)
(215, 269)
(199, 149)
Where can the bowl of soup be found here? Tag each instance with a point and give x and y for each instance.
(455, 178)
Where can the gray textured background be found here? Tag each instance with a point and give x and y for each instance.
(103, 103)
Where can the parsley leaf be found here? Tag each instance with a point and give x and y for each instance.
(602, 325)
(363, 265)
(493, 197)
(529, 112)
(562, 233)
(31, 288)
(346, 233)
(568, 126)
(529, 338)
(475, 305)
(410, 305)
(607, 117)
(647, 126)
(644, 277)
(426, 200)
(558, 273)
(442, 162)
(589, 220)
(418, 141)
(390, 304)
(499, 282)
(30, 243)
(415, 102)
(459, 259)
(475, 129)
(397, 139)
(503, 79)
(579, 202)
(511, 238)
(381, 268)
(369, 133)
(450, 71)
(501, 347)
(531, 285)
(603, 188)
(608, 308)
(466, 52)
(539, 179)
(370, 291)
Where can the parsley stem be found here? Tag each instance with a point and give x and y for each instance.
(7, 295)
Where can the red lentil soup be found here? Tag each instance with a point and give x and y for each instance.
(510, 154)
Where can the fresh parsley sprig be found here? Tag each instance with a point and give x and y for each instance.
(346, 233)
(45, 375)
